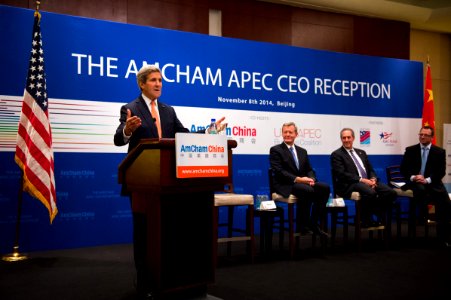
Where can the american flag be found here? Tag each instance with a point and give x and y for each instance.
(34, 153)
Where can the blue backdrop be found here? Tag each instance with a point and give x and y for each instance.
(92, 60)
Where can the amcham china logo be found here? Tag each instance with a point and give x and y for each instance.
(242, 134)
(387, 138)
(201, 150)
(236, 130)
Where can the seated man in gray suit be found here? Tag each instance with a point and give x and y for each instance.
(353, 172)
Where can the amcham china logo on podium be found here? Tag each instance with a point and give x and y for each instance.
(201, 155)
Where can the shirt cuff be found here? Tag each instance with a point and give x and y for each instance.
(126, 137)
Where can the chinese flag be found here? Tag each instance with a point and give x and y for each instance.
(428, 105)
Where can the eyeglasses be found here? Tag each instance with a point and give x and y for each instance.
(425, 135)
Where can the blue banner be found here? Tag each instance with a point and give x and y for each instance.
(91, 67)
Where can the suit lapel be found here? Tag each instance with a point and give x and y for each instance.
(163, 117)
(299, 154)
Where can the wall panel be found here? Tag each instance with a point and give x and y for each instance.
(252, 20)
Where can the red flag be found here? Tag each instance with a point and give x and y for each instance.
(34, 153)
(428, 105)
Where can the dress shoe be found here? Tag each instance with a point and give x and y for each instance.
(305, 230)
(318, 231)
(376, 224)
(147, 296)
(365, 224)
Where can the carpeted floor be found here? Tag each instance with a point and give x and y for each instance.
(408, 270)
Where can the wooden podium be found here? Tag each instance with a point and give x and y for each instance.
(181, 223)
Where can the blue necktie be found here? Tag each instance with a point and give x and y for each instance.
(294, 157)
(359, 166)
(424, 158)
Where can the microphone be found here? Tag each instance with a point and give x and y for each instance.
(154, 120)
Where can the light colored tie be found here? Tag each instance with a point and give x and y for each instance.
(156, 117)
(294, 157)
(359, 166)
(424, 158)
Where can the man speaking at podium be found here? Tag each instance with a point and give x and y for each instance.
(143, 118)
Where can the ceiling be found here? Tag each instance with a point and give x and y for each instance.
(430, 15)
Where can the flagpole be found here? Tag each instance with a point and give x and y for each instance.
(16, 255)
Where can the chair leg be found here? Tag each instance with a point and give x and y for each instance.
(281, 228)
(398, 221)
(230, 228)
(345, 226)
(358, 233)
(388, 217)
(333, 227)
(426, 225)
(216, 234)
(250, 232)
(387, 223)
(411, 226)
(291, 229)
(322, 239)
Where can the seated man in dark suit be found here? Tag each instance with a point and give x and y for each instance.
(423, 166)
(353, 172)
(293, 174)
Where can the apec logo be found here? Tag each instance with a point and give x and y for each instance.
(310, 136)
(306, 136)
(387, 138)
(365, 137)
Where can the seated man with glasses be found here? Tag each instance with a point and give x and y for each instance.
(423, 166)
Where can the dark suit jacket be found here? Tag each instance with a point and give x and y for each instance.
(170, 124)
(344, 170)
(435, 165)
(285, 170)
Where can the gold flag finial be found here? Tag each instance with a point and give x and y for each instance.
(37, 13)
(428, 59)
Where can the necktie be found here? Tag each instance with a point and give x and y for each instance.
(294, 157)
(424, 158)
(156, 117)
(359, 166)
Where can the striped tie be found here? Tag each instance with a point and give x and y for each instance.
(359, 166)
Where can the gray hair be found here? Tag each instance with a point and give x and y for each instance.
(290, 124)
(346, 129)
(141, 77)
